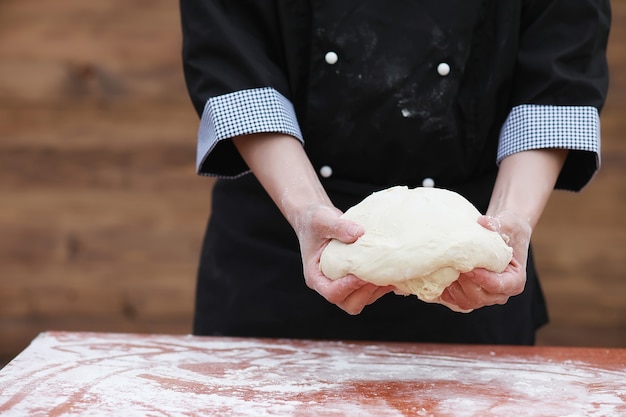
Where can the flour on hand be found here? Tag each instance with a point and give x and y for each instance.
(417, 240)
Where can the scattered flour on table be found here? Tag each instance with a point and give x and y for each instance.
(170, 376)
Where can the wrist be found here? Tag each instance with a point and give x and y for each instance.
(285, 172)
(525, 182)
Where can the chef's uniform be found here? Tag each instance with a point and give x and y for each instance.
(380, 93)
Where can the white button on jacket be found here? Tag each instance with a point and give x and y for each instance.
(428, 182)
(331, 58)
(443, 69)
(326, 171)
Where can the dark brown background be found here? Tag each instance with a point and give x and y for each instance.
(101, 213)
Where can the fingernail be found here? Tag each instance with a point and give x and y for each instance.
(353, 230)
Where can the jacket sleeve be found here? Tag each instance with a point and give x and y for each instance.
(561, 84)
(234, 70)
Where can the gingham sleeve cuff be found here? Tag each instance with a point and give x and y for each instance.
(536, 127)
(260, 110)
(576, 128)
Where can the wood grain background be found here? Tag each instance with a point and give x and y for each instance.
(101, 213)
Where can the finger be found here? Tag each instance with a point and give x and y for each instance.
(489, 282)
(336, 292)
(511, 282)
(380, 291)
(455, 294)
(356, 302)
(467, 294)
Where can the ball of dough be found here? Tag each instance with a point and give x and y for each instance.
(418, 240)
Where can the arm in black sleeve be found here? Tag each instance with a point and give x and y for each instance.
(561, 84)
(234, 67)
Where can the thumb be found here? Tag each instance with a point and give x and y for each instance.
(347, 231)
(490, 222)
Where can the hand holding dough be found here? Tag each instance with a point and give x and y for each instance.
(418, 240)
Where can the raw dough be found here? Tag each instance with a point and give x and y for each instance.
(418, 240)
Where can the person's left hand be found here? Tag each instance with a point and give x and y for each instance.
(479, 288)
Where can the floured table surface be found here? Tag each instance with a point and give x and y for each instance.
(81, 374)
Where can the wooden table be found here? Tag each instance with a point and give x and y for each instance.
(78, 374)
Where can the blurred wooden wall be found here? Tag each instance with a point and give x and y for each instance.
(101, 213)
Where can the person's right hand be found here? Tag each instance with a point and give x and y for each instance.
(315, 228)
(283, 168)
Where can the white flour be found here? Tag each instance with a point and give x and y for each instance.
(74, 374)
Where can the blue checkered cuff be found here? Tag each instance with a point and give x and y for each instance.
(260, 110)
(538, 127)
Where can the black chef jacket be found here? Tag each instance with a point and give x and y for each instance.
(380, 110)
